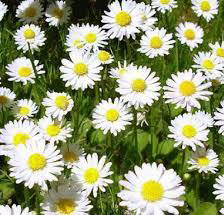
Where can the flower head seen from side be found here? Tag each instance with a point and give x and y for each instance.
(164, 5)
(205, 118)
(21, 70)
(190, 34)
(39, 162)
(141, 118)
(187, 130)
(57, 104)
(58, 13)
(111, 116)
(219, 118)
(156, 43)
(205, 8)
(104, 57)
(3, 10)
(209, 64)
(67, 201)
(219, 188)
(204, 161)
(14, 210)
(151, 189)
(7, 97)
(29, 35)
(122, 20)
(140, 87)
(185, 89)
(92, 173)
(81, 71)
(24, 109)
(29, 11)
(218, 50)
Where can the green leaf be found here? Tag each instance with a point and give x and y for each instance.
(166, 146)
(143, 140)
(7, 190)
(206, 208)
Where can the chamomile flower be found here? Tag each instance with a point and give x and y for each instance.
(218, 50)
(29, 11)
(92, 173)
(164, 5)
(219, 188)
(104, 57)
(38, 162)
(151, 189)
(65, 200)
(57, 104)
(21, 70)
(205, 8)
(185, 89)
(222, 211)
(187, 130)
(139, 87)
(219, 118)
(14, 210)
(204, 161)
(123, 19)
(24, 109)
(54, 130)
(141, 118)
(156, 43)
(18, 132)
(3, 10)
(29, 35)
(209, 64)
(7, 97)
(205, 118)
(81, 71)
(190, 34)
(111, 116)
(58, 13)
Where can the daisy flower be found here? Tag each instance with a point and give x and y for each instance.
(29, 11)
(71, 154)
(219, 118)
(92, 173)
(209, 64)
(104, 57)
(222, 211)
(54, 130)
(151, 189)
(21, 70)
(164, 5)
(218, 50)
(141, 119)
(185, 89)
(18, 132)
(190, 34)
(57, 104)
(122, 20)
(81, 71)
(6, 97)
(156, 43)
(65, 200)
(3, 10)
(14, 210)
(29, 34)
(111, 116)
(205, 118)
(58, 13)
(205, 8)
(204, 161)
(139, 87)
(219, 188)
(24, 109)
(187, 130)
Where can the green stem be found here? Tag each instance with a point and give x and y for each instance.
(135, 130)
(37, 202)
(197, 190)
(32, 61)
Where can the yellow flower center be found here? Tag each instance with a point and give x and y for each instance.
(77, 43)
(103, 56)
(90, 37)
(53, 130)
(189, 34)
(29, 34)
(65, 206)
(139, 85)
(80, 69)
(91, 175)
(164, 1)
(112, 115)
(203, 161)
(187, 88)
(20, 138)
(30, 12)
(24, 111)
(205, 6)
(62, 102)
(156, 42)
(189, 131)
(152, 191)
(208, 64)
(3, 100)
(36, 162)
(220, 52)
(57, 13)
(123, 19)
(122, 71)
(24, 71)
(70, 157)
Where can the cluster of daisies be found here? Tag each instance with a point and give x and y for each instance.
(40, 150)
